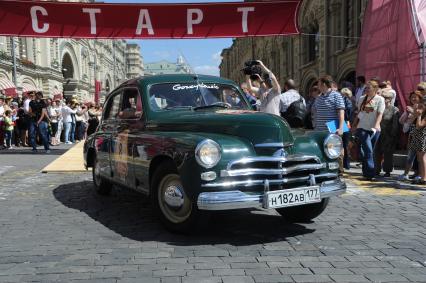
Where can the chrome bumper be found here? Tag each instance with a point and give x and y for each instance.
(237, 199)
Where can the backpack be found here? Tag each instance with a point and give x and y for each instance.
(296, 113)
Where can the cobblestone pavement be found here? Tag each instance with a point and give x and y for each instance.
(53, 227)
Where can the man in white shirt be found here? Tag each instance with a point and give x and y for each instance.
(268, 92)
(29, 97)
(289, 96)
(68, 120)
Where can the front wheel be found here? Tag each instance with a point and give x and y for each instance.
(303, 213)
(177, 212)
(102, 186)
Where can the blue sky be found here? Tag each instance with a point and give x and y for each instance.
(203, 55)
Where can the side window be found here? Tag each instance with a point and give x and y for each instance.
(113, 107)
(131, 105)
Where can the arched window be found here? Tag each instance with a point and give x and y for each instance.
(313, 40)
(350, 20)
(67, 67)
(23, 48)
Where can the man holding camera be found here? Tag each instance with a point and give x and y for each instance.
(266, 89)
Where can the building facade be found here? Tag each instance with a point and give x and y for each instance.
(167, 67)
(68, 66)
(330, 31)
(134, 61)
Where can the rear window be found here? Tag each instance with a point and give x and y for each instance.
(181, 95)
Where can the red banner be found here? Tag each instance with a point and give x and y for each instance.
(98, 88)
(101, 20)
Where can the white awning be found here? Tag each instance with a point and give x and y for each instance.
(7, 87)
(5, 83)
(26, 87)
(56, 92)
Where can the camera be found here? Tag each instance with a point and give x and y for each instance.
(251, 68)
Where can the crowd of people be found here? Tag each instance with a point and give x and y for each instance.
(366, 117)
(35, 119)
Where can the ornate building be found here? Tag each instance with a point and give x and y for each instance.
(328, 43)
(134, 61)
(64, 65)
(166, 67)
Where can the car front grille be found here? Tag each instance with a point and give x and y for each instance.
(274, 172)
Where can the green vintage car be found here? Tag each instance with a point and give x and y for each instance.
(192, 143)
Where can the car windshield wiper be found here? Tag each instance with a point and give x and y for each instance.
(216, 104)
(179, 107)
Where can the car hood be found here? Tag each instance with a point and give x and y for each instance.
(256, 127)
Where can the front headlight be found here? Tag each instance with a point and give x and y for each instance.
(207, 153)
(333, 146)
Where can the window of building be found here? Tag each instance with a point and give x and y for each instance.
(313, 43)
(23, 48)
(349, 15)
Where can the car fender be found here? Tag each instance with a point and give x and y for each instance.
(180, 148)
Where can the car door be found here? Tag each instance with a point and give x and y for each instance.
(125, 135)
(107, 126)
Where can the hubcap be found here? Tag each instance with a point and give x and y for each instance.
(173, 196)
(172, 200)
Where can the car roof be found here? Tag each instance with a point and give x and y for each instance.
(175, 78)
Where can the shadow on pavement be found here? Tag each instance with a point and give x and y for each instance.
(130, 215)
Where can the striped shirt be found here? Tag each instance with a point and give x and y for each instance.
(325, 109)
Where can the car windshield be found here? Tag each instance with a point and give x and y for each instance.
(195, 95)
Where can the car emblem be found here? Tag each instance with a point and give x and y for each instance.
(280, 153)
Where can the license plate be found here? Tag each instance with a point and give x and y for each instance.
(292, 197)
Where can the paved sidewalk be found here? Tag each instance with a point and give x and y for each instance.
(71, 161)
(382, 185)
(55, 228)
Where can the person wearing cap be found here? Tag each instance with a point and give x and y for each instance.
(386, 145)
(39, 122)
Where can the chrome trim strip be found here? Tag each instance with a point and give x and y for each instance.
(228, 200)
(237, 199)
(295, 157)
(250, 183)
(274, 144)
(283, 171)
(332, 188)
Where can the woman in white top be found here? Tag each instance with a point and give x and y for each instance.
(53, 113)
(371, 107)
(58, 108)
